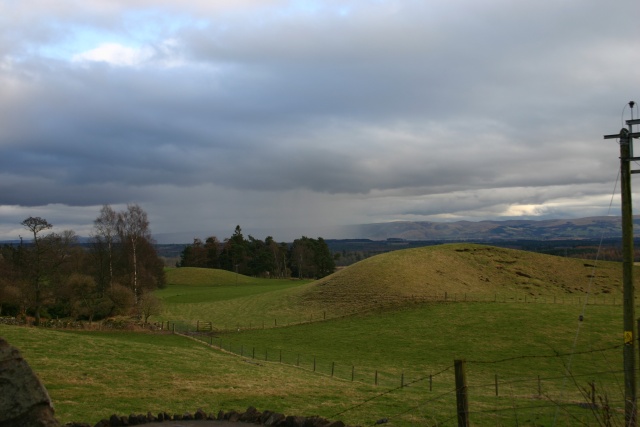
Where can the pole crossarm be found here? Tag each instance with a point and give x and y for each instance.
(626, 134)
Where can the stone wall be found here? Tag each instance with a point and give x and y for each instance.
(250, 416)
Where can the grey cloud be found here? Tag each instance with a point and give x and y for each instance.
(407, 98)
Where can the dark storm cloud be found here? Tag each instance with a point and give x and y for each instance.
(365, 107)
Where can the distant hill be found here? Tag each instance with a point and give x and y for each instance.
(552, 229)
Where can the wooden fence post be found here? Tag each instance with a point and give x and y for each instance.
(353, 372)
(496, 385)
(376, 378)
(539, 387)
(462, 398)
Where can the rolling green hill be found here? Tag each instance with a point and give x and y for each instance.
(394, 279)
(385, 324)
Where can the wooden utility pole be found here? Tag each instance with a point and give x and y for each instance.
(626, 156)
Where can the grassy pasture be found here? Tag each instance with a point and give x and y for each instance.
(420, 341)
(93, 375)
(381, 317)
(224, 298)
(390, 280)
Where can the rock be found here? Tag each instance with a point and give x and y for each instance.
(24, 402)
(114, 421)
(251, 415)
(275, 419)
(200, 415)
(336, 424)
(265, 416)
(293, 421)
(316, 421)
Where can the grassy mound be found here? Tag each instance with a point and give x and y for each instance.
(459, 269)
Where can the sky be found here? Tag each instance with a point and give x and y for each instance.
(300, 117)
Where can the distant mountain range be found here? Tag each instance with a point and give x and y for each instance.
(552, 229)
(608, 227)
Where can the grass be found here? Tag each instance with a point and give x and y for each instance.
(217, 296)
(518, 342)
(454, 272)
(93, 375)
(382, 323)
(481, 272)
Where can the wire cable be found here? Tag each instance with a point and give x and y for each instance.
(391, 390)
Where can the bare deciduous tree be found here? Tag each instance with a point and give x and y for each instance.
(106, 227)
(149, 305)
(133, 226)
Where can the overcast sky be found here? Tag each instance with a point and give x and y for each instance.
(296, 117)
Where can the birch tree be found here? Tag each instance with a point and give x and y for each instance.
(133, 227)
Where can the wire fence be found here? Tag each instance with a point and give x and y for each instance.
(499, 393)
(244, 324)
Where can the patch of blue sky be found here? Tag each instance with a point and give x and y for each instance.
(315, 7)
(81, 39)
(135, 29)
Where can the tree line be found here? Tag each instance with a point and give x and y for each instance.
(53, 275)
(304, 258)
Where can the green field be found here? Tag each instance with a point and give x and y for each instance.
(386, 349)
